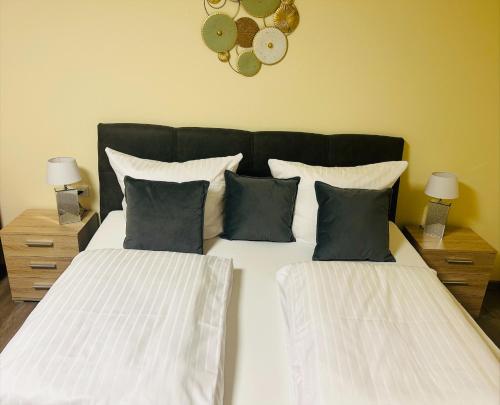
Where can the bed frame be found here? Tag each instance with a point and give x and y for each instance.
(170, 144)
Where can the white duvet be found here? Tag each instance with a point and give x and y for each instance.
(124, 327)
(361, 333)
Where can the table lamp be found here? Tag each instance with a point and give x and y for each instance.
(62, 171)
(441, 186)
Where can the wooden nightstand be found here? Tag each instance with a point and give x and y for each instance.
(462, 260)
(37, 250)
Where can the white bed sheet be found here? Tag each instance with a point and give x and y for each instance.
(256, 366)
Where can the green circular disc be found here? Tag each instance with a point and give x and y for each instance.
(219, 32)
(248, 64)
(260, 8)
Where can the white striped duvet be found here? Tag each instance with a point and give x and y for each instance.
(361, 333)
(124, 327)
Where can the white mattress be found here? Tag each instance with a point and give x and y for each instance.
(256, 367)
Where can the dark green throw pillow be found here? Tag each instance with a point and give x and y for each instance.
(165, 216)
(259, 209)
(353, 224)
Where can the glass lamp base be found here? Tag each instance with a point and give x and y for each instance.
(435, 221)
(68, 206)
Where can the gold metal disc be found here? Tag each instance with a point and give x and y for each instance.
(214, 1)
(247, 28)
(224, 56)
(286, 18)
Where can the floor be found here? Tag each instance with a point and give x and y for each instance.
(489, 320)
(12, 315)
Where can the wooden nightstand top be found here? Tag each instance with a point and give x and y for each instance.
(455, 239)
(44, 222)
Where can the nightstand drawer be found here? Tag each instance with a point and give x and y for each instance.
(472, 302)
(26, 285)
(40, 245)
(467, 287)
(464, 281)
(41, 264)
(452, 261)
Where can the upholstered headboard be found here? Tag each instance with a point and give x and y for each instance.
(170, 144)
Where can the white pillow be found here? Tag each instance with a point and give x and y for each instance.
(211, 170)
(376, 176)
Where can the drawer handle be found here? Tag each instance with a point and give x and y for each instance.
(459, 261)
(456, 282)
(42, 286)
(39, 243)
(47, 266)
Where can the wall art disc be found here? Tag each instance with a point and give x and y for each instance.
(286, 18)
(219, 32)
(224, 56)
(248, 64)
(270, 45)
(260, 8)
(247, 28)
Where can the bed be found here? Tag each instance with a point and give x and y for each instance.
(256, 359)
(256, 366)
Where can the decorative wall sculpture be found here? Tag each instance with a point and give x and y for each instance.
(247, 42)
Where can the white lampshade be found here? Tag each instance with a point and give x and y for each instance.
(62, 171)
(442, 185)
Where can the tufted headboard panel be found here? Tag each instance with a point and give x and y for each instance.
(170, 144)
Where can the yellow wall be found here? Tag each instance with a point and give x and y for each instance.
(426, 70)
